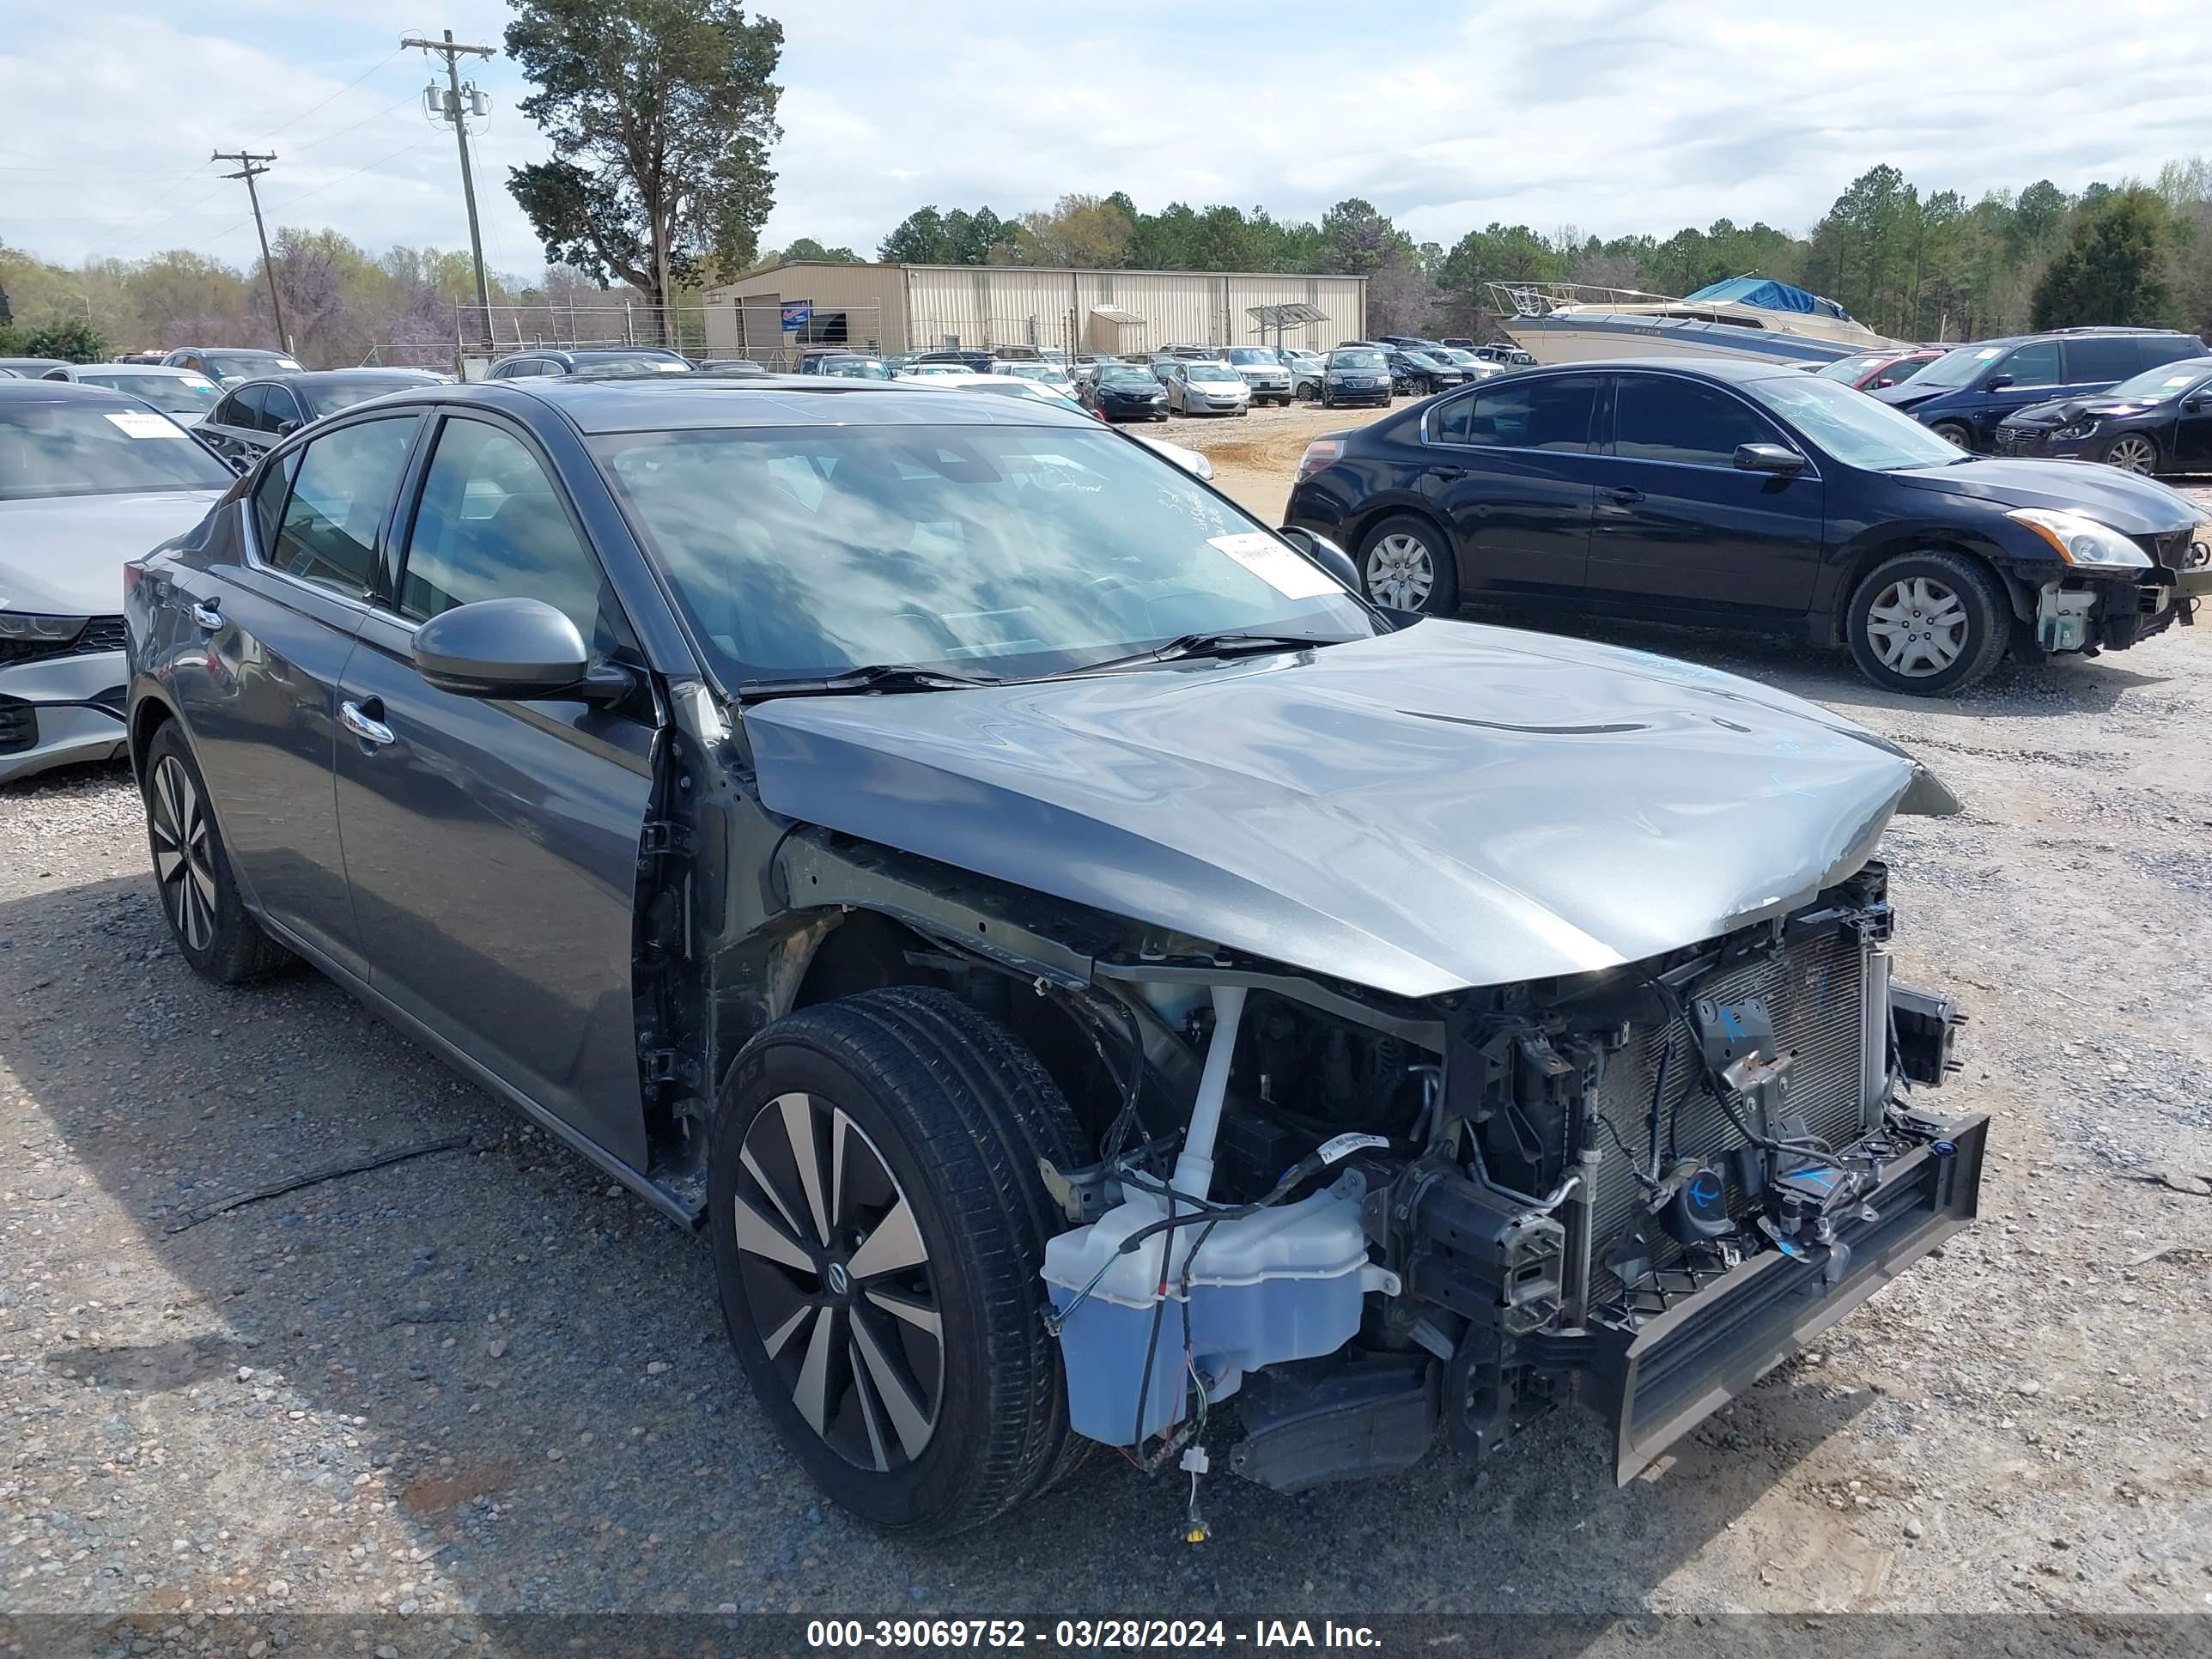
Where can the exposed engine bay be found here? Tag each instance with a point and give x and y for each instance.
(1638, 1188)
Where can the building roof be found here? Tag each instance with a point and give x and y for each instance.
(1045, 270)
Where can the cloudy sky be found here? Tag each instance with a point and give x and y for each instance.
(1604, 114)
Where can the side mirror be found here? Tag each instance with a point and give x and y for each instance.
(510, 647)
(2192, 405)
(1325, 553)
(286, 428)
(1777, 459)
(1997, 383)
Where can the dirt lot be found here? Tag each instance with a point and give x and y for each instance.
(483, 1381)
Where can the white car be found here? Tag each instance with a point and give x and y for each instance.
(184, 394)
(1203, 387)
(1267, 374)
(89, 478)
(937, 372)
(1049, 375)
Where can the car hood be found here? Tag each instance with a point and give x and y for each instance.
(1908, 395)
(1217, 388)
(1449, 806)
(2060, 411)
(64, 555)
(2131, 505)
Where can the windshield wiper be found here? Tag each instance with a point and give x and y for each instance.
(875, 677)
(1219, 643)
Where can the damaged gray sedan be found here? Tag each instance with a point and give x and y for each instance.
(1091, 978)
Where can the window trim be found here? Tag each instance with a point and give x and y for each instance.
(1765, 416)
(384, 597)
(271, 389)
(257, 557)
(1601, 406)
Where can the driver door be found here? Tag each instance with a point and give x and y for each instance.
(492, 847)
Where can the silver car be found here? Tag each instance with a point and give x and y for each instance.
(89, 478)
(1204, 387)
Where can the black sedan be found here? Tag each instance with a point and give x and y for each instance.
(2158, 422)
(1748, 497)
(857, 817)
(1124, 392)
(255, 416)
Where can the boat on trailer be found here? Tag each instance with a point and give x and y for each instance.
(1750, 317)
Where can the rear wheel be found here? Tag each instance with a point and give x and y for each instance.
(878, 1226)
(192, 865)
(2133, 452)
(1405, 564)
(1930, 624)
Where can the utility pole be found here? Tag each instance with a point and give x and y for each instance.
(458, 112)
(251, 167)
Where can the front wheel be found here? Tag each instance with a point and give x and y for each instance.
(2133, 452)
(1405, 564)
(192, 867)
(1957, 434)
(878, 1227)
(1929, 624)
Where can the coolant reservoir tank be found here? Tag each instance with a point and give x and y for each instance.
(1282, 1283)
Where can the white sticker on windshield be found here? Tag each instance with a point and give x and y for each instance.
(1291, 575)
(141, 425)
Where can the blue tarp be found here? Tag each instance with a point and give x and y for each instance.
(1765, 291)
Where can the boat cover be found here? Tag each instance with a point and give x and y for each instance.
(1765, 291)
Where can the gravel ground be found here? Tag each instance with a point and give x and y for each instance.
(483, 1381)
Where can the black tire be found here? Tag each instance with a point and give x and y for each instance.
(955, 1112)
(192, 870)
(1383, 572)
(1328, 398)
(1928, 588)
(1961, 435)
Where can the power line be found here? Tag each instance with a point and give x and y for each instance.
(405, 99)
(335, 96)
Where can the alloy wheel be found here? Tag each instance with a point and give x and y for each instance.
(1400, 572)
(2132, 453)
(184, 858)
(839, 1282)
(1918, 627)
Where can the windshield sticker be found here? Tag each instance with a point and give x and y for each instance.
(140, 425)
(1984, 354)
(1289, 574)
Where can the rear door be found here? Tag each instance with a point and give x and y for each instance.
(260, 705)
(2192, 429)
(492, 847)
(1679, 529)
(233, 427)
(1510, 472)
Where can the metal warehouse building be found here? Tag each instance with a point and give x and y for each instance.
(911, 309)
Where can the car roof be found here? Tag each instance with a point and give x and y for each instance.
(41, 364)
(49, 391)
(236, 351)
(154, 369)
(699, 402)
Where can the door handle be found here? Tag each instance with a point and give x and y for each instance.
(206, 614)
(364, 725)
(1448, 474)
(1622, 494)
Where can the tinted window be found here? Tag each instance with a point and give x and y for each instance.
(345, 482)
(245, 405)
(2033, 365)
(2164, 348)
(1661, 419)
(278, 405)
(520, 368)
(269, 499)
(1553, 413)
(2112, 358)
(491, 526)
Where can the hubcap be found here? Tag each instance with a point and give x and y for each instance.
(184, 860)
(2131, 454)
(838, 1280)
(1400, 572)
(1918, 627)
